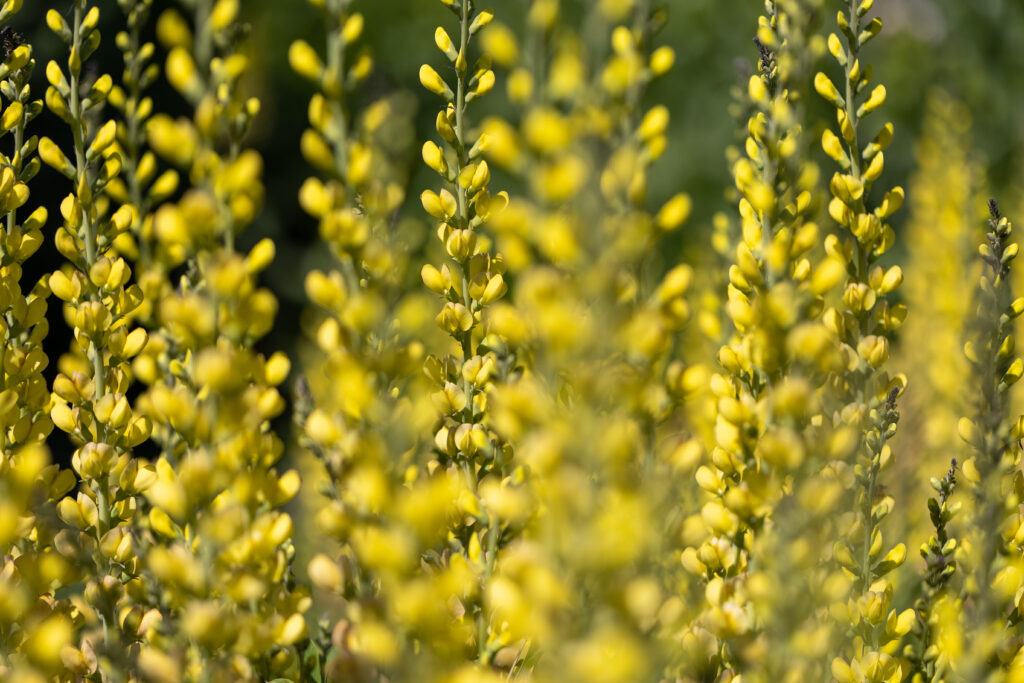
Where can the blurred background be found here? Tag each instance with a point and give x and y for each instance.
(972, 50)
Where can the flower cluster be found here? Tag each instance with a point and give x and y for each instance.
(356, 409)
(771, 399)
(597, 411)
(142, 186)
(551, 444)
(943, 203)
(865, 324)
(470, 455)
(991, 470)
(219, 551)
(90, 395)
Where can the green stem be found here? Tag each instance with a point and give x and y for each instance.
(204, 34)
(869, 529)
(133, 142)
(463, 160)
(336, 65)
(853, 147)
(81, 178)
(493, 532)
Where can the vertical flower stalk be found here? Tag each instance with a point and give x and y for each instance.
(594, 322)
(89, 394)
(359, 416)
(943, 204)
(220, 553)
(996, 531)
(469, 282)
(142, 186)
(24, 397)
(770, 398)
(938, 624)
(865, 325)
(36, 628)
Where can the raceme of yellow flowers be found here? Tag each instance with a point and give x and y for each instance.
(533, 448)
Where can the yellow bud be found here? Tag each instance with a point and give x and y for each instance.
(454, 318)
(441, 206)
(172, 30)
(182, 73)
(499, 43)
(484, 84)
(55, 76)
(91, 19)
(325, 573)
(654, 123)
(893, 278)
(315, 198)
(157, 666)
(662, 60)
(622, 40)
(65, 288)
(827, 275)
(495, 289)
(444, 43)
(543, 14)
(64, 418)
(481, 20)
(761, 196)
(461, 244)
(165, 185)
(304, 60)
(874, 169)
(435, 280)
(170, 225)
(445, 129)
(261, 256)
(674, 213)
(134, 342)
(321, 428)
(57, 104)
(1013, 373)
(352, 29)
(520, 86)
(842, 672)
(56, 22)
(104, 138)
(12, 115)
(433, 156)
(708, 479)
(433, 82)
(903, 622)
(874, 101)
(835, 47)
(827, 89)
(757, 92)
(893, 559)
(833, 147)
(223, 14)
(326, 291)
(891, 203)
(846, 188)
(52, 156)
(44, 643)
(874, 350)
